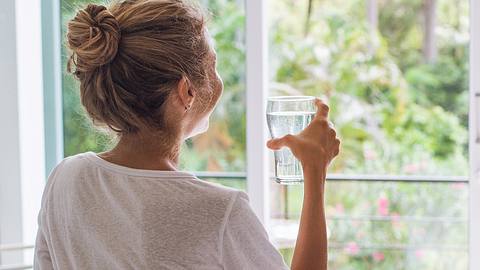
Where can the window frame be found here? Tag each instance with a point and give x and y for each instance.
(52, 83)
(257, 92)
(474, 140)
(21, 109)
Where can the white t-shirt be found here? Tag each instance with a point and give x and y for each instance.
(99, 215)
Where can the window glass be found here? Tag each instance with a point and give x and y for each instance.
(395, 74)
(222, 148)
(397, 85)
(383, 225)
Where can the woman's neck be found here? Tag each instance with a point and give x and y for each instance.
(157, 151)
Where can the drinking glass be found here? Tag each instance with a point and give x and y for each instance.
(288, 115)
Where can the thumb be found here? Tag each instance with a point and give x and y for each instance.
(277, 143)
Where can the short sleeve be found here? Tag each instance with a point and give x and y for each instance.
(245, 241)
(42, 258)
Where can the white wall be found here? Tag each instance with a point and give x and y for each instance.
(22, 163)
(30, 97)
(10, 185)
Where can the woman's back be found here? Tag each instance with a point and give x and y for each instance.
(99, 215)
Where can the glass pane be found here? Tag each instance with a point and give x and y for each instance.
(395, 74)
(384, 225)
(79, 133)
(397, 86)
(222, 148)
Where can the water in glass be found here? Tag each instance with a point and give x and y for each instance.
(288, 115)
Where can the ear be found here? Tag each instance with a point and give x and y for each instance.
(185, 92)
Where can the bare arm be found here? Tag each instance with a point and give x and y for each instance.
(311, 247)
(315, 147)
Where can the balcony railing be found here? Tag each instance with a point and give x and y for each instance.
(352, 177)
(284, 228)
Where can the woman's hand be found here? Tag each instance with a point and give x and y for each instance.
(316, 145)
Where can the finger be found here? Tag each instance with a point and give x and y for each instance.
(277, 143)
(336, 152)
(321, 122)
(337, 147)
(322, 108)
(332, 133)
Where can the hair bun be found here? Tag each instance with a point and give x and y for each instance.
(93, 36)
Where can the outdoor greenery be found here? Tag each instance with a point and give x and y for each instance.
(397, 111)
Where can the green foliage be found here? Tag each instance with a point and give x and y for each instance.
(402, 110)
(385, 225)
(79, 133)
(222, 148)
(227, 124)
(395, 115)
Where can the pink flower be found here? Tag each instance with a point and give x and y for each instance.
(383, 206)
(411, 168)
(339, 208)
(419, 253)
(378, 256)
(457, 186)
(370, 154)
(352, 248)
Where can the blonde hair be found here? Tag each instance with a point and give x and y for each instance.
(129, 57)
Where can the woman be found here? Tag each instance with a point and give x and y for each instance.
(147, 70)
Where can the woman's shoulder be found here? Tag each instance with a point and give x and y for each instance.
(215, 188)
(69, 162)
(186, 182)
(181, 186)
(215, 193)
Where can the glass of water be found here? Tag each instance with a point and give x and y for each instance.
(288, 115)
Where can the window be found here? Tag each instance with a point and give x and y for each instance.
(215, 154)
(395, 74)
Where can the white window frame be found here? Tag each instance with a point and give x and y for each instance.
(257, 91)
(52, 83)
(474, 142)
(21, 113)
(10, 202)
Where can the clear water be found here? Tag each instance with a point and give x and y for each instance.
(287, 168)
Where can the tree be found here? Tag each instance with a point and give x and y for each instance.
(372, 14)
(429, 41)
